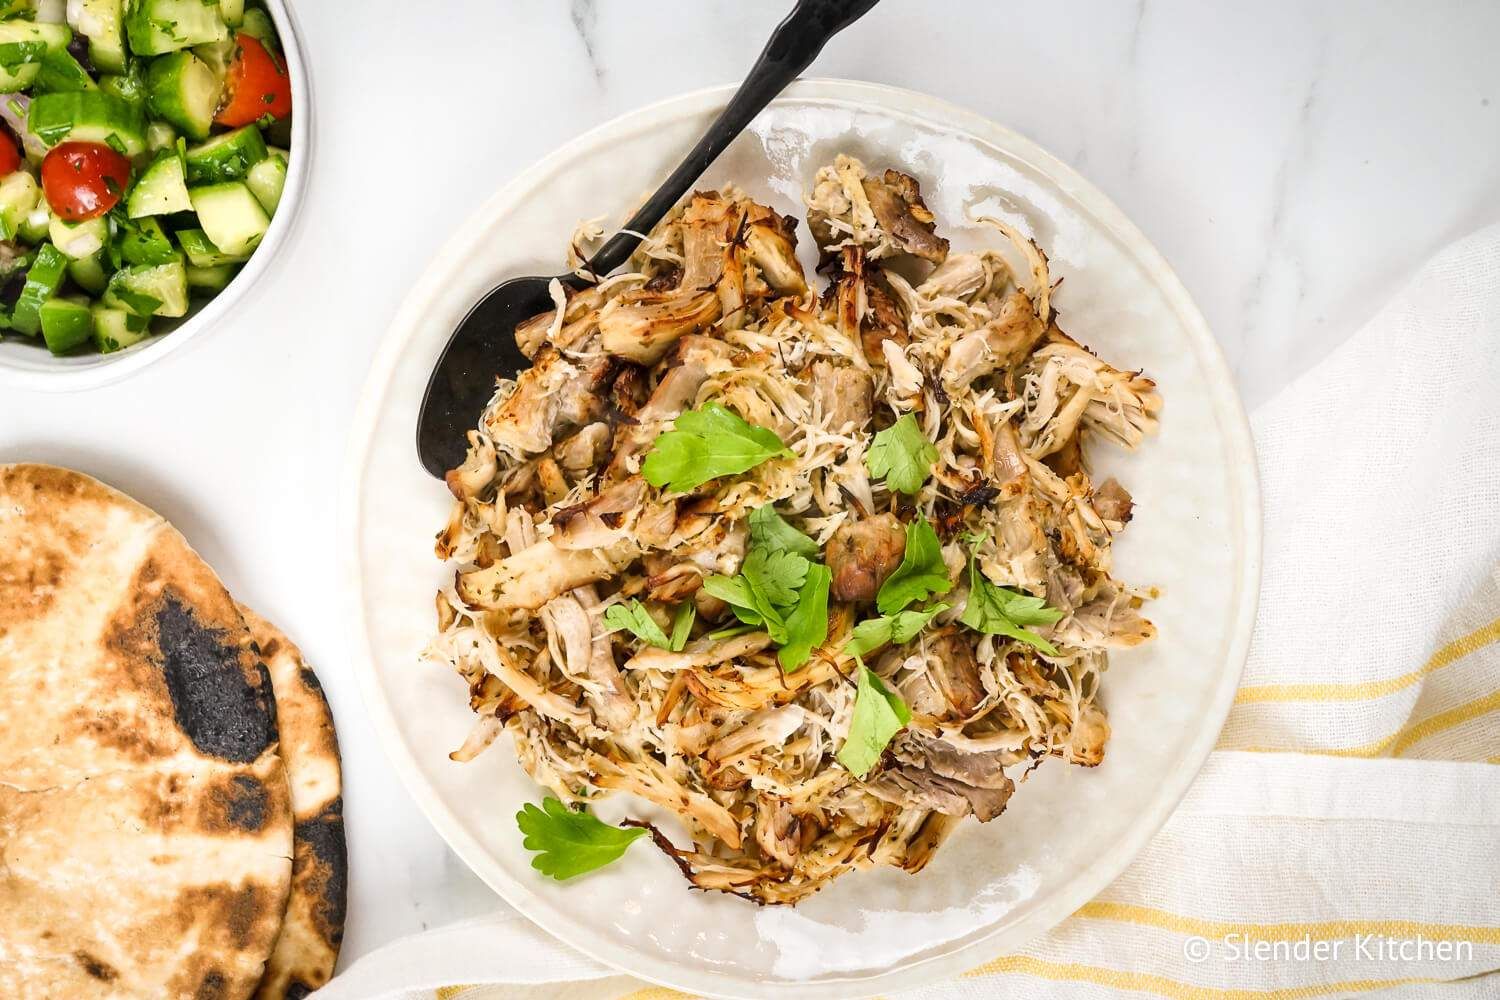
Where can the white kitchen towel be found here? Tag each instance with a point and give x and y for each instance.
(1345, 837)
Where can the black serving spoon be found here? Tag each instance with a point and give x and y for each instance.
(484, 344)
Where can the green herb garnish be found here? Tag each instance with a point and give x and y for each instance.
(779, 588)
(899, 628)
(570, 842)
(922, 572)
(634, 618)
(770, 530)
(706, 444)
(682, 625)
(807, 625)
(879, 714)
(997, 610)
(903, 455)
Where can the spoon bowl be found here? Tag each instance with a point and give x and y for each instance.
(484, 344)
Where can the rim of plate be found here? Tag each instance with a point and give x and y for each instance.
(48, 374)
(1065, 897)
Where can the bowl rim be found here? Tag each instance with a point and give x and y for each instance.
(963, 955)
(49, 374)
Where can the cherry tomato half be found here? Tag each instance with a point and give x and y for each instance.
(255, 86)
(83, 179)
(10, 156)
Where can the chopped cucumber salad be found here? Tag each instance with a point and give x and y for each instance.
(142, 156)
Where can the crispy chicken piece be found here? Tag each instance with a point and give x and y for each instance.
(931, 774)
(578, 320)
(955, 671)
(602, 520)
(532, 577)
(861, 554)
(579, 454)
(699, 653)
(1004, 341)
(896, 200)
(584, 650)
(1113, 503)
(554, 395)
(772, 243)
(845, 393)
(885, 215)
(642, 325)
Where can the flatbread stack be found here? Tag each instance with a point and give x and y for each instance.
(151, 843)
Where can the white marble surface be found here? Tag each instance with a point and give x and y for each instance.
(1293, 161)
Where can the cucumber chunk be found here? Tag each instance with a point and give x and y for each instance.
(233, 12)
(230, 216)
(160, 136)
(227, 157)
(100, 21)
(66, 324)
(42, 281)
(183, 90)
(24, 42)
(267, 179)
(89, 274)
(89, 116)
(129, 86)
(37, 226)
(117, 329)
(143, 241)
(61, 73)
(156, 27)
(19, 194)
(211, 280)
(18, 78)
(161, 189)
(201, 251)
(79, 239)
(257, 24)
(149, 289)
(23, 46)
(218, 55)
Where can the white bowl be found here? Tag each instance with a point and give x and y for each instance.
(1068, 831)
(26, 364)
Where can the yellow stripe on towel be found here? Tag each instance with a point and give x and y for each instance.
(1452, 652)
(1444, 721)
(1317, 931)
(1172, 988)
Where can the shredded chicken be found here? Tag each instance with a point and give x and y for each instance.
(553, 523)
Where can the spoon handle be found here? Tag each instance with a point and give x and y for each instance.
(794, 44)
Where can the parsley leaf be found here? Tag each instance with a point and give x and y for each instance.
(899, 628)
(570, 843)
(879, 714)
(769, 530)
(775, 577)
(682, 625)
(706, 444)
(997, 610)
(921, 574)
(902, 454)
(735, 591)
(634, 618)
(807, 625)
(767, 587)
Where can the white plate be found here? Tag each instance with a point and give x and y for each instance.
(1068, 831)
(26, 364)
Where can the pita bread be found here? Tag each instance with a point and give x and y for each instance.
(308, 947)
(145, 816)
